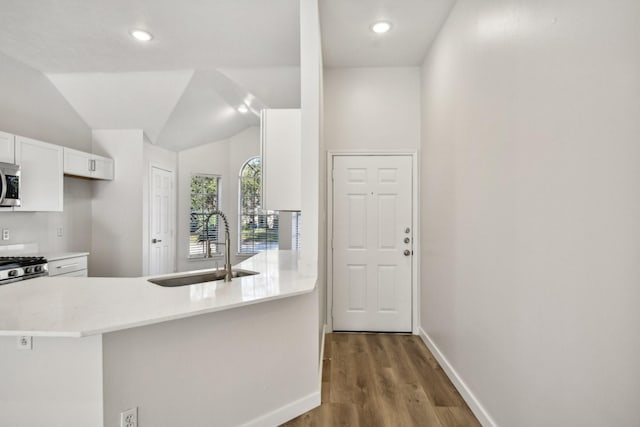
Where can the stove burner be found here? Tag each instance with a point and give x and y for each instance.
(16, 268)
(20, 260)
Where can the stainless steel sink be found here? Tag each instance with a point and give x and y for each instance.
(193, 278)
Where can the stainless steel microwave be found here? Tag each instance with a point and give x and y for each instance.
(9, 185)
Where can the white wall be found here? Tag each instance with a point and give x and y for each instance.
(368, 109)
(224, 158)
(33, 393)
(120, 245)
(41, 227)
(253, 365)
(116, 246)
(313, 228)
(32, 107)
(530, 209)
(310, 103)
(372, 108)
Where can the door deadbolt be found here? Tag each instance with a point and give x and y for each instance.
(407, 240)
(407, 230)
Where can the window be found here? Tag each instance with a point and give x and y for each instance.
(258, 228)
(296, 223)
(203, 228)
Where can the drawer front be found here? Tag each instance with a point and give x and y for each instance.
(68, 265)
(79, 273)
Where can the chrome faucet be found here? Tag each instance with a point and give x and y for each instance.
(227, 244)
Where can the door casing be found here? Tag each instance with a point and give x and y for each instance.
(415, 273)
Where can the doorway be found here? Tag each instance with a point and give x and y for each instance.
(161, 223)
(372, 272)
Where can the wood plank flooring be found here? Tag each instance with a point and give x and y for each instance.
(384, 380)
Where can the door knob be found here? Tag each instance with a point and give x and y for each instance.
(156, 240)
(407, 252)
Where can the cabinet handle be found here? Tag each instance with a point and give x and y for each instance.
(67, 266)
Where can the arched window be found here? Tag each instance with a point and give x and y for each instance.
(258, 229)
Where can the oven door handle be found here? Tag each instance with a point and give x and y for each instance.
(3, 191)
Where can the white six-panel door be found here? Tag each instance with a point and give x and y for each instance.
(372, 247)
(161, 254)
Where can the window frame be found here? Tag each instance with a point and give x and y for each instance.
(219, 239)
(265, 214)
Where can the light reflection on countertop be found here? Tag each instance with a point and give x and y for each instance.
(81, 306)
(202, 291)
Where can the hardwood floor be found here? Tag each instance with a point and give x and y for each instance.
(384, 380)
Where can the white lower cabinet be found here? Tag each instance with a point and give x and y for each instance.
(87, 165)
(74, 266)
(81, 273)
(41, 175)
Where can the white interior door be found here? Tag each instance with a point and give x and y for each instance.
(372, 243)
(161, 224)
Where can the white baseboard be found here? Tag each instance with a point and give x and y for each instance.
(324, 334)
(474, 404)
(287, 412)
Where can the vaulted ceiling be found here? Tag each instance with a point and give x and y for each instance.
(182, 88)
(207, 57)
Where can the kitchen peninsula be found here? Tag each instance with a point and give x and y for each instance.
(212, 353)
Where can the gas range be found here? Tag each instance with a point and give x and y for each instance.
(16, 268)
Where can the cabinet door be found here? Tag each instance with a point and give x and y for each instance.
(281, 172)
(88, 165)
(76, 162)
(102, 167)
(7, 148)
(41, 166)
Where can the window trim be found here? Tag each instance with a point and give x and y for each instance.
(265, 213)
(219, 252)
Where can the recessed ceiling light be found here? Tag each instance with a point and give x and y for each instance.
(381, 27)
(243, 109)
(143, 36)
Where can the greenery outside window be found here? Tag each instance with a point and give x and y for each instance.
(204, 232)
(258, 228)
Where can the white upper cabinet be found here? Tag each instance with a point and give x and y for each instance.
(88, 165)
(102, 167)
(41, 175)
(280, 135)
(7, 148)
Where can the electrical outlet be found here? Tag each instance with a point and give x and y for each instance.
(5, 234)
(24, 343)
(129, 418)
(60, 231)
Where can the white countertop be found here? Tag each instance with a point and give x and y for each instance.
(81, 306)
(56, 256)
